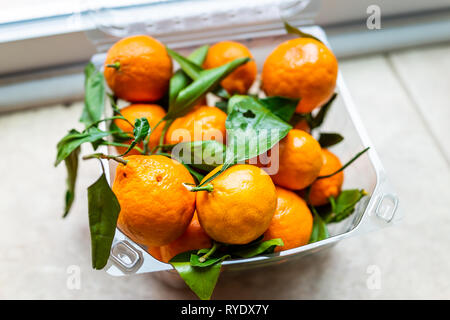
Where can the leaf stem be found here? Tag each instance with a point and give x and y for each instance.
(293, 30)
(168, 155)
(115, 65)
(213, 249)
(346, 165)
(102, 120)
(147, 140)
(105, 156)
(117, 144)
(166, 146)
(208, 187)
(113, 101)
(313, 209)
(224, 167)
(163, 134)
(331, 216)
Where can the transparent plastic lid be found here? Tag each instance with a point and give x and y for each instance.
(188, 22)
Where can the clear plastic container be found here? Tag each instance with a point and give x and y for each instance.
(184, 25)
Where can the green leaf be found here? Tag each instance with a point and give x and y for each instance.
(258, 248)
(282, 107)
(209, 256)
(94, 95)
(319, 231)
(293, 30)
(315, 122)
(140, 132)
(198, 56)
(208, 80)
(180, 80)
(251, 130)
(348, 163)
(222, 105)
(197, 175)
(202, 281)
(74, 139)
(328, 139)
(297, 117)
(195, 262)
(118, 134)
(192, 69)
(251, 243)
(222, 93)
(235, 99)
(141, 129)
(71, 163)
(344, 205)
(104, 210)
(113, 102)
(204, 155)
(347, 199)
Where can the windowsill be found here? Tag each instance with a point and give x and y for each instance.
(26, 83)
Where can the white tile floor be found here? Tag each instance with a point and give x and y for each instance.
(402, 98)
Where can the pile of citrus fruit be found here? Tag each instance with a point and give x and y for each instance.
(199, 180)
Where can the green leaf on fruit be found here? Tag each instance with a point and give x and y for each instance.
(195, 259)
(222, 105)
(192, 69)
(206, 82)
(180, 79)
(266, 247)
(205, 155)
(282, 107)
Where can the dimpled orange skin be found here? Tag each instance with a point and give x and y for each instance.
(153, 112)
(194, 238)
(240, 207)
(241, 79)
(292, 221)
(300, 160)
(301, 68)
(155, 206)
(201, 123)
(322, 189)
(144, 72)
